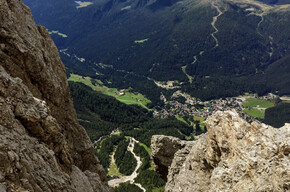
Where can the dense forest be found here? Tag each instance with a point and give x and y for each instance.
(106, 147)
(150, 180)
(145, 157)
(154, 41)
(210, 51)
(125, 159)
(127, 187)
(278, 115)
(101, 114)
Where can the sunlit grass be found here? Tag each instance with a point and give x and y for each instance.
(254, 102)
(113, 170)
(124, 96)
(140, 41)
(255, 113)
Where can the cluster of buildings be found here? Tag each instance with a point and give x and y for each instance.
(183, 104)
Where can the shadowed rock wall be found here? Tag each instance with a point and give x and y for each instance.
(42, 146)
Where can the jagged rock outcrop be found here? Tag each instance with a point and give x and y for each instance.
(42, 146)
(164, 149)
(232, 156)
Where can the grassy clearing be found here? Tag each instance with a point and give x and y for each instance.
(126, 8)
(149, 152)
(146, 148)
(113, 170)
(140, 41)
(124, 96)
(254, 102)
(198, 118)
(181, 119)
(63, 35)
(255, 113)
(100, 144)
(191, 123)
(58, 33)
(202, 126)
(201, 121)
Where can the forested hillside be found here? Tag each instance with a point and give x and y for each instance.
(211, 49)
(111, 124)
(278, 115)
(101, 114)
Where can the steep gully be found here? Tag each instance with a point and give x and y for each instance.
(131, 178)
(214, 20)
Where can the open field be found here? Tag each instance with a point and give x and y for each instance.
(124, 96)
(113, 170)
(254, 102)
(255, 113)
(180, 118)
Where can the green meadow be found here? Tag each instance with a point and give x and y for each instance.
(254, 102)
(255, 113)
(140, 41)
(124, 95)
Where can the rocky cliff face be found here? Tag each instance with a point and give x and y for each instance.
(232, 156)
(42, 146)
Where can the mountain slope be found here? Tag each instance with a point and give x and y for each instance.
(42, 146)
(186, 40)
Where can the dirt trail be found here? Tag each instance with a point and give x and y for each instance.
(130, 178)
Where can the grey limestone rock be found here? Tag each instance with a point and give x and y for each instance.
(42, 146)
(232, 156)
